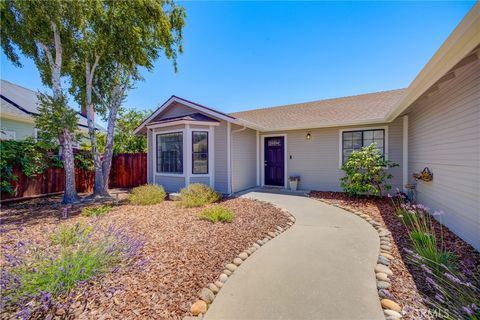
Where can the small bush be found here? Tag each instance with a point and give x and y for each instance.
(96, 211)
(147, 194)
(365, 172)
(197, 195)
(217, 214)
(70, 235)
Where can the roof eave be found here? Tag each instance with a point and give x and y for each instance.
(463, 40)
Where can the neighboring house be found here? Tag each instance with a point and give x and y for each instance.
(433, 123)
(18, 107)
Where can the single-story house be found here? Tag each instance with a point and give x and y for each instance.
(434, 123)
(18, 106)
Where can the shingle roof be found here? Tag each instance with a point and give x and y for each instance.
(329, 112)
(189, 117)
(26, 102)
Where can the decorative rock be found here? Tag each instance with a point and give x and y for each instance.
(265, 240)
(231, 267)
(384, 269)
(206, 295)
(213, 288)
(381, 276)
(279, 228)
(219, 284)
(291, 218)
(290, 224)
(237, 261)
(174, 196)
(256, 245)
(392, 318)
(389, 304)
(385, 242)
(223, 278)
(383, 232)
(271, 234)
(249, 251)
(383, 260)
(386, 255)
(198, 307)
(260, 242)
(383, 285)
(227, 272)
(385, 247)
(392, 313)
(253, 249)
(384, 293)
(243, 255)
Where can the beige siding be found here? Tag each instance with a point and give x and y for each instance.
(202, 180)
(317, 161)
(244, 159)
(170, 184)
(444, 135)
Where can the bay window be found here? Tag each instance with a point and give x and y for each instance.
(199, 152)
(170, 153)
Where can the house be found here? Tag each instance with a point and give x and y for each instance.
(18, 106)
(434, 123)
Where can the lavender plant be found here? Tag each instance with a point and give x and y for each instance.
(35, 280)
(454, 291)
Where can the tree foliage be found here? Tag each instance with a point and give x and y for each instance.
(366, 172)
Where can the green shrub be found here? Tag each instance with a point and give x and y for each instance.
(70, 235)
(197, 195)
(147, 194)
(96, 211)
(365, 172)
(217, 213)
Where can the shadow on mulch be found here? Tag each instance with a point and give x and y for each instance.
(36, 211)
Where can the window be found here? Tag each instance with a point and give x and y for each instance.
(170, 153)
(355, 140)
(199, 152)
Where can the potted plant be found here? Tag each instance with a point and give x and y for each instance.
(293, 182)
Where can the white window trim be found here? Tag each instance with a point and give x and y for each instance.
(340, 140)
(13, 134)
(188, 154)
(285, 156)
(405, 152)
(163, 174)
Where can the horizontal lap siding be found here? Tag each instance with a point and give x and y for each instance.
(444, 135)
(202, 180)
(316, 161)
(221, 170)
(170, 184)
(244, 159)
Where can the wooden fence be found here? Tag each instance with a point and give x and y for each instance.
(128, 170)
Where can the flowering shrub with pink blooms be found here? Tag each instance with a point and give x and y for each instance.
(33, 280)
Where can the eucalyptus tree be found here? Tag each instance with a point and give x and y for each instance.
(115, 41)
(45, 32)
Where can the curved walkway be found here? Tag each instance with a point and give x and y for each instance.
(321, 268)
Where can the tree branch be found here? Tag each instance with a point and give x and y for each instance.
(58, 45)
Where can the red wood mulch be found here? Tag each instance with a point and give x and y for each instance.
(407, 281)
(182, 253)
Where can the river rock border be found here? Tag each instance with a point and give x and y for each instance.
(207, 295)
(391, 309)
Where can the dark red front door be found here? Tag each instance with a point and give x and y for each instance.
(274, 161)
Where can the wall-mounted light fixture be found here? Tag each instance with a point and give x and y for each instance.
(308, 136)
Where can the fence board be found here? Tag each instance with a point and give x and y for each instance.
(128, 170)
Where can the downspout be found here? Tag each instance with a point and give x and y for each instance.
(231, 163)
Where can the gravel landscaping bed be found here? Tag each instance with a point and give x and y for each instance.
(181, 255)
(407, 284)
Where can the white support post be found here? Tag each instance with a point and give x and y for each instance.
(229, 158)
(211, 156)
(258, 157)
(405, 151)
(187, 149)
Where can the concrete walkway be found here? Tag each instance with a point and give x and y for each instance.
(321, 268)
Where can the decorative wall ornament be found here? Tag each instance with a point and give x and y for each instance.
(425, 175)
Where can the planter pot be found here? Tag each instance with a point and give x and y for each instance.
(293, 185)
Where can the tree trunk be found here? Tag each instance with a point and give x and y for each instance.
(99, 188)
(108, 154)
(70, 195)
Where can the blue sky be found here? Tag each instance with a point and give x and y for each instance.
(244, 55)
